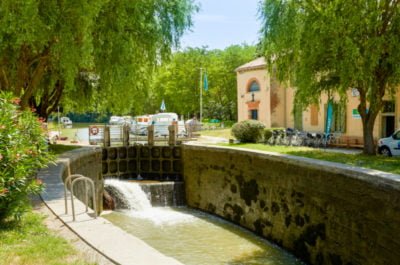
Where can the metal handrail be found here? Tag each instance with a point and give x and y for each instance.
(68, 180)
(78, 177)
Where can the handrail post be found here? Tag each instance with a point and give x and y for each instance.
(85, 179)
(68, 180)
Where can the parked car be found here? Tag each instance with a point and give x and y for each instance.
(66, 121)
(114, 120)
(390, 146)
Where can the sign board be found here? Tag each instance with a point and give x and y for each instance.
(355, 114)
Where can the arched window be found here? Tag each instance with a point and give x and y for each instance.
(253, 86)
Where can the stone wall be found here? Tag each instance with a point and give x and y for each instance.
(324, 213)
(87, 162)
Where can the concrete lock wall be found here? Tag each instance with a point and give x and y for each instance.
(324, 213)
(87, 162)
(151, 162)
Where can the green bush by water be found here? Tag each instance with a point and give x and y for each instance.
(23, 150)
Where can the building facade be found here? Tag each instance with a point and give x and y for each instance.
(261, 97)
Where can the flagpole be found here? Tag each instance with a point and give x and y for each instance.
(201, 94)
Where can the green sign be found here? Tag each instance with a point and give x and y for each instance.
(355, 114)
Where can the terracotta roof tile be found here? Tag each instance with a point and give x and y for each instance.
(258, 63)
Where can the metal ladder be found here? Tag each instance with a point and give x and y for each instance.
(71, 180)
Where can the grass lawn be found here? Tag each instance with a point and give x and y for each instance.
(69, 132)
(59, 148)
(31, 243)
(387, 164)
(222, 133)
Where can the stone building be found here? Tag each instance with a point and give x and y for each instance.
(261, 97)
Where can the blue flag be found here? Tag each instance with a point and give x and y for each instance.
(162, 107)
(205, 83)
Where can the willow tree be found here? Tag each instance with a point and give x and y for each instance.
(332, 46)
(49, 48)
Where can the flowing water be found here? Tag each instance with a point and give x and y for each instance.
(193, 237)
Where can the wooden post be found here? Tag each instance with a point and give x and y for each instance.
(172, 134)
(125, 135)
(107, 140)
(150, 135)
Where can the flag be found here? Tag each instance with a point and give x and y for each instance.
(162, 107)
(329, 117)
(205, 83)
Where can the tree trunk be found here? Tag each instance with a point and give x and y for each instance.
(368, 135)
(48, 103)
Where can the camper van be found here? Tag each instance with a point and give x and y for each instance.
(161, 122)
(140, 123)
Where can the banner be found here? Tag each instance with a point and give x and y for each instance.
(329, 117)
(205, 83)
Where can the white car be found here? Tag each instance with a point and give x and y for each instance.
(66, 121)
(390, 146)
(115, 120)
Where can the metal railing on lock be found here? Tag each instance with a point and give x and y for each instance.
(71, 180)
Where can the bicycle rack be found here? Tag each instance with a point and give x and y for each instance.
(71, 180)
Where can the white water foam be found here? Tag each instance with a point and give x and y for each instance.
(133, 195)
(140, 207)
(163, 216)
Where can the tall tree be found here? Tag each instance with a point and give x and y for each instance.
(178, 81)
(48, 47)
(331, 46)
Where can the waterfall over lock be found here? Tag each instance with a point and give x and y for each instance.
(127, 195)
(135, 199)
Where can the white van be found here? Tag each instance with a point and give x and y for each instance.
(390, 145)
(140, 123)
(161, 122)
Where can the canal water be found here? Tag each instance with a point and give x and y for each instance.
(194, 237)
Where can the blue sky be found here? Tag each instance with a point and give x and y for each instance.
(221, 23)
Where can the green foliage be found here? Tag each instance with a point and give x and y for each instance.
(248, 131)
(22, 152)
(331, 46)
(178, 81)
(267, 133)
(228, 124)
(89, 55)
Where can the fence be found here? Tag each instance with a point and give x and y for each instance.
(117, 135)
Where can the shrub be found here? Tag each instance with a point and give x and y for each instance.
(267, 133)
(249, 131)
(228, 124)
(22, 152)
